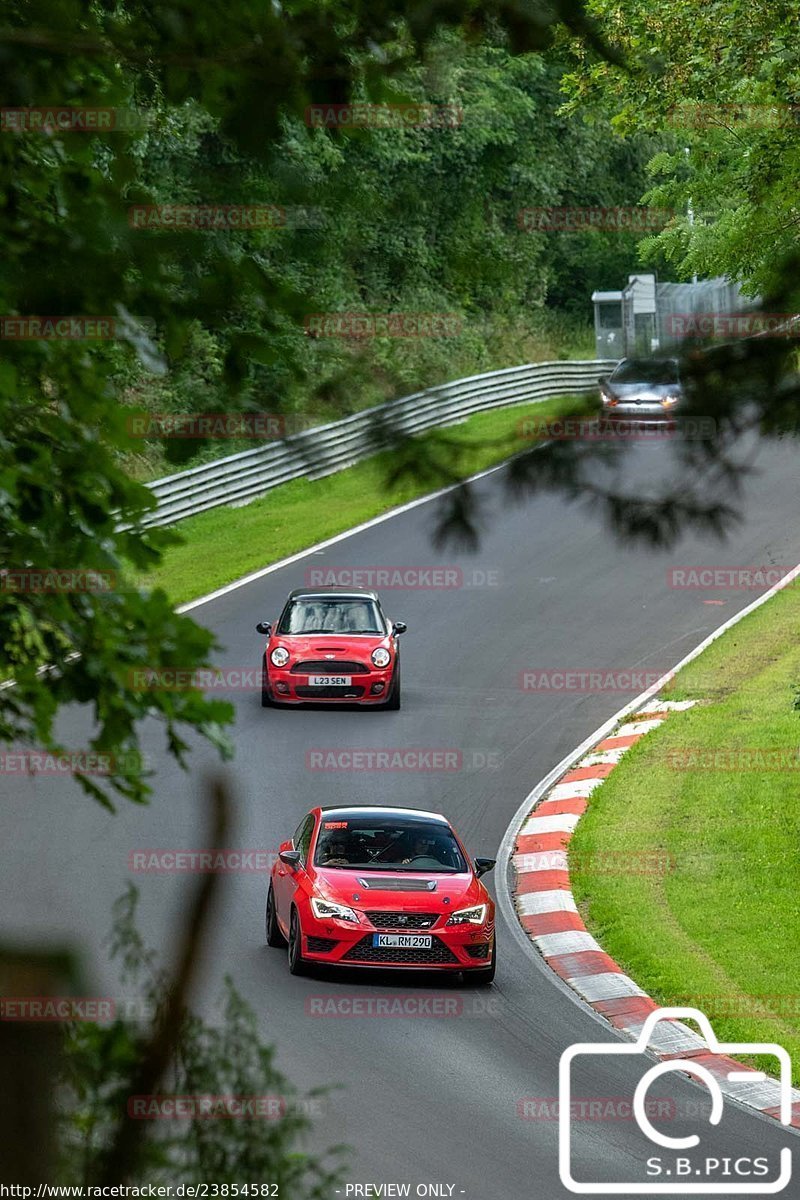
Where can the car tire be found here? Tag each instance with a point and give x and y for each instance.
(273, 931)
(297, 965)
(485, 976)
(266, 696)
(393, 700)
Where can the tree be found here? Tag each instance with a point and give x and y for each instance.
(720, 83)
(220, 79)
(215, 1067)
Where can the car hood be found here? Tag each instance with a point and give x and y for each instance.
(408, 890)
(340, 645)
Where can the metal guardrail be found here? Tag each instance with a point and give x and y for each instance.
(314, 453)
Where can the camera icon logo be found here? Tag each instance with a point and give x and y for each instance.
(678, 1181)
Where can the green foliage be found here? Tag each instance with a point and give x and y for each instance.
(417, 219)
(721, 81)
(223, 1060)
(412, 220)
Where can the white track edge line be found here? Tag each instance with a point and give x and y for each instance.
(505, 902)
(254, 576)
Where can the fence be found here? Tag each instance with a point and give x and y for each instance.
(314, 453)
(637, 319)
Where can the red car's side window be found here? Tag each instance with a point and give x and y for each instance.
(302, 836)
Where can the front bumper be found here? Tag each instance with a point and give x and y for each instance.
(651, 418)
(370, 687)
(344, 944)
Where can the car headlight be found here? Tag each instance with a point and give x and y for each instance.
(381, 657)
(469, 916)
(668, 401)
(280, 656)
(326, 908)
(608, 399)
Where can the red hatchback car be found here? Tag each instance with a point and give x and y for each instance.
(381, 887)
(331, 645)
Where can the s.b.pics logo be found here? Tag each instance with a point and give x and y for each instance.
(676, 1161)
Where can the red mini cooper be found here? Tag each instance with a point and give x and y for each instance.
(381, 887)
(331, 645)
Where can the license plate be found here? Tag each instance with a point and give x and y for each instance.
(403, 941)
(330, 680)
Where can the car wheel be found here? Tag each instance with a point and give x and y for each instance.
(393, 700)
(485, 976)
(274, 935)
(266, 697)
(297, 964)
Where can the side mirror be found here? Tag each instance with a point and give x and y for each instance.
(399, 627)
(264, 627)
(482, 865)
(602, 381)
(292, 858)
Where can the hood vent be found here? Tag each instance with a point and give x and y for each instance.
(389, 883)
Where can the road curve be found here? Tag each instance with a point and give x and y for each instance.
(428, 1099)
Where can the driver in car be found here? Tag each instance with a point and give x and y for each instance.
(336, 852)
(422, 846)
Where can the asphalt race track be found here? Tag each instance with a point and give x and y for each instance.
(422, 1099)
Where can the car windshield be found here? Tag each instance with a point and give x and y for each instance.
(646, 370)
(324, 614)
(388, 844)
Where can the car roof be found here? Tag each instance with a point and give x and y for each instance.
(370, 811)
(345, 593)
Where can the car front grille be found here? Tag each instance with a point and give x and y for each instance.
(319, 945)
(316, 693)
(364, 951)
(399, 920)
(327, 666)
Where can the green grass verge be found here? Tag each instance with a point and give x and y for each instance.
(717, 928)
(227, 543)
